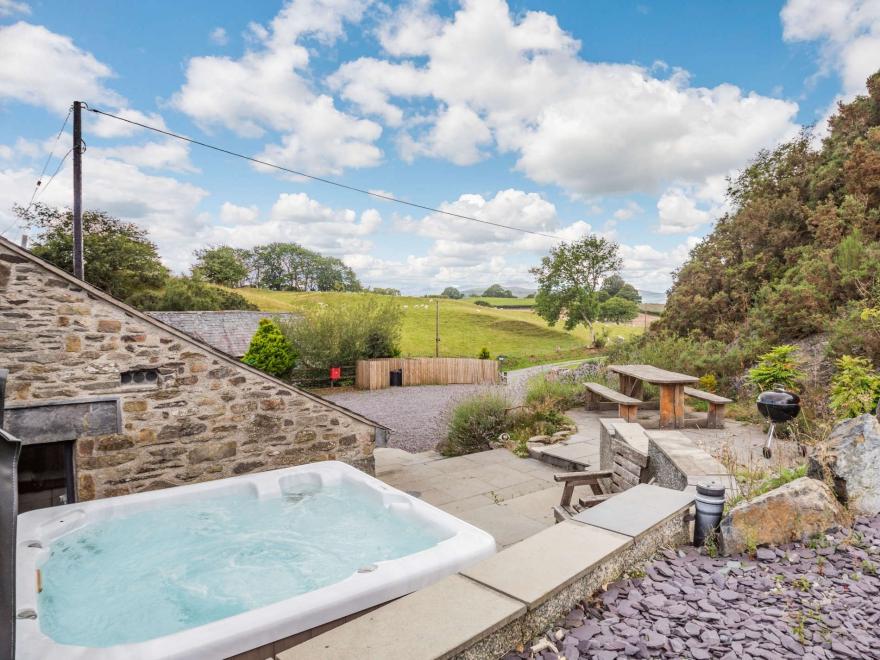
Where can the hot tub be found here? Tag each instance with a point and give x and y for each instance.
(218, 568)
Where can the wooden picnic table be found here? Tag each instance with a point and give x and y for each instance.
(671, 384)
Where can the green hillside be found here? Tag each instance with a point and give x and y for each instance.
(464, 327)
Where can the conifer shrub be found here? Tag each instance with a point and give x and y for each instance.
(270, 351)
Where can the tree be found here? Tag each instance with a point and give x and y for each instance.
(615, 285)
(291, 267)
(618, 310)
(498, 291)
(221, 265)
(270, 351)
(452, 293)
(181, 294)
(569, 277)
(118, 256)
(385, 291)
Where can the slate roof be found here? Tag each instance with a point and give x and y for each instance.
(229, 331)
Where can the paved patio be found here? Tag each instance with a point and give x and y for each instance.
(507, 496)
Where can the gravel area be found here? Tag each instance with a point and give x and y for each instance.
(795, 601)
(418, 415)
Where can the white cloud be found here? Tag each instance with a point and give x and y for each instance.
(519, 85)
(12, 7)
(232, 214)
(267, 88)
(168, 154)
(42, 68)
(294, 217)
(218, 36)
(679, 213)
(649, 268)
(849, 31)
(629, 210)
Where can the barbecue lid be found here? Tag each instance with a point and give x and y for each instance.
(778, 397)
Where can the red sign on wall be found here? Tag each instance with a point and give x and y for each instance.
(335, 373)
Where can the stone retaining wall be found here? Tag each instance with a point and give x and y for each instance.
(205, 416)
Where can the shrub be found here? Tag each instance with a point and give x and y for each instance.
(600, 340)
(690, 355)
(475, 423)
(708, 383)
(484, 354)
(543, 395)
(777, 368)
(340, 334)
(270, 351)
(482, 303)
(855, 387)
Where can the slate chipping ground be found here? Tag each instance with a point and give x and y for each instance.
(814, 600)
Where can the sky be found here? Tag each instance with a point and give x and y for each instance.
(563, 118)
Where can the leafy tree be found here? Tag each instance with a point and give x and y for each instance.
(452, 293)
(618, 310)
(270, 351)
(291, 267)
(498, 291)
(118, 256)
(189, 294)
(382, 291)
(221, 265)
(615, 285)
(568, 279)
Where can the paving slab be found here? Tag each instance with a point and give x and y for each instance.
(434, 622)
(506, 526)
(543, 564)
(636, 509)
(688, 457)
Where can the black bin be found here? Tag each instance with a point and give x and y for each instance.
(396, 378)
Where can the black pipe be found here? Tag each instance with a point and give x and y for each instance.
(10, 448)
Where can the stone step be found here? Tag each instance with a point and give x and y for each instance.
(551, 455)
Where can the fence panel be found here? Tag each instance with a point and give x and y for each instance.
(376, 374)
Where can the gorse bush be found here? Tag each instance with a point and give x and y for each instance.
(855, 387)
(777, 368)
(475, 423)
(335, 335)
(270, 351)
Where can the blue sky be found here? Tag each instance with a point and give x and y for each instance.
(621, 118)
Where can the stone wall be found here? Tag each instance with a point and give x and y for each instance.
(205, 417)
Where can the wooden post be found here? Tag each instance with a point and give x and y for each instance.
(667, 406)
(78, 270)
(437, 330)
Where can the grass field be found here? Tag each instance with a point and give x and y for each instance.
(464, 327)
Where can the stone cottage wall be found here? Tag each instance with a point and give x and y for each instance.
(206, 417)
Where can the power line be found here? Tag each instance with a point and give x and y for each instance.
(37, 189)
(330, 182)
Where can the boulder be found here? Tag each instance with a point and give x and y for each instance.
(850, 459)
(792, 512)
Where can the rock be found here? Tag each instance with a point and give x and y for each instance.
(851, 457)
(793, 511)
(543, 439)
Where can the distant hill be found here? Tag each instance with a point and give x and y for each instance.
(518, 291)
(652, 297)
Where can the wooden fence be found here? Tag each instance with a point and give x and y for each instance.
(376, 374)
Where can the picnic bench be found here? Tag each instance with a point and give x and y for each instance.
(629, 469)
(627, 406)
(671, 384)
(715, 416)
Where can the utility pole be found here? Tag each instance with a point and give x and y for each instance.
(437, 330)
(77, 192)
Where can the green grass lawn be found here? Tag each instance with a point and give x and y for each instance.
(464, 327)
(503, 302)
